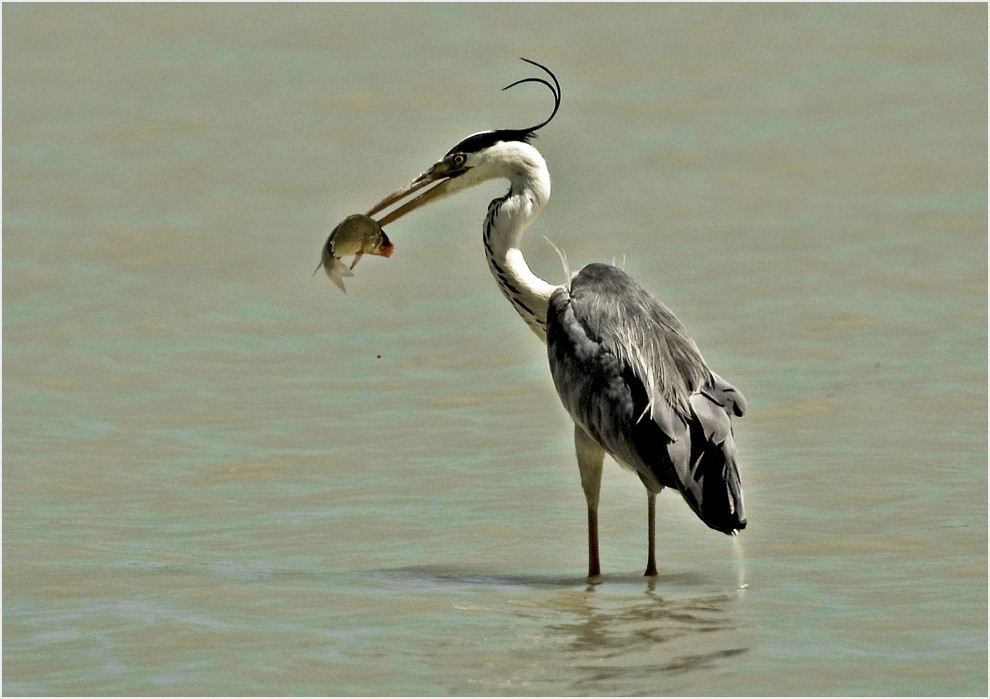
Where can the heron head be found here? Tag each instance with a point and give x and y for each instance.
(482, 156)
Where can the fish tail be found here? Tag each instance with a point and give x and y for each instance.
(337, 270)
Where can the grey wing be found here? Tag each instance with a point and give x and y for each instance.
(691, 449)
(725, 395)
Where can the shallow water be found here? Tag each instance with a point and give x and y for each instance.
(222, 476)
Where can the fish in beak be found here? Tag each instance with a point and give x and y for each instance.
(355, 235)
(360, 234)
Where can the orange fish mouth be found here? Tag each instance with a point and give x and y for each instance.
(387, 247)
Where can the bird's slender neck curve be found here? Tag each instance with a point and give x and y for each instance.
(508, 218)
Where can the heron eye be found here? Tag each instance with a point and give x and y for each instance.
(459, 159)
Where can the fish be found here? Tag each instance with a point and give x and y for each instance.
(356, 235)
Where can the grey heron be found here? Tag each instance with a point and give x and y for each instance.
(627, 372)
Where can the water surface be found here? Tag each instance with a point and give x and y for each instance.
(222, 476)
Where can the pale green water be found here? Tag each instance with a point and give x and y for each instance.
(212, 484)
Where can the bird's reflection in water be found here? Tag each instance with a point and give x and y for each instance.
(611, 635)
(612, 639)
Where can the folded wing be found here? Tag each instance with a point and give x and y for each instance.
(630, 376)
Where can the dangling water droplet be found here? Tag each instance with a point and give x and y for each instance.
(740, 563)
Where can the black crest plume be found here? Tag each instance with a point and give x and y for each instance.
(555, 89)
(486, 139)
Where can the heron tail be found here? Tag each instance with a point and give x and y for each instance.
(711, 485)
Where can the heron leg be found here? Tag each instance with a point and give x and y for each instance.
(651, 510)
(590, 458)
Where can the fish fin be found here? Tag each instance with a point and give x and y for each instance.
(356, 258)
(337, 271)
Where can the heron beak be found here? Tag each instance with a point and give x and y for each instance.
(436, 174)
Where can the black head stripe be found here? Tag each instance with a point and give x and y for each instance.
(486, 139)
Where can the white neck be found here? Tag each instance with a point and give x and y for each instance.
(507, 220)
